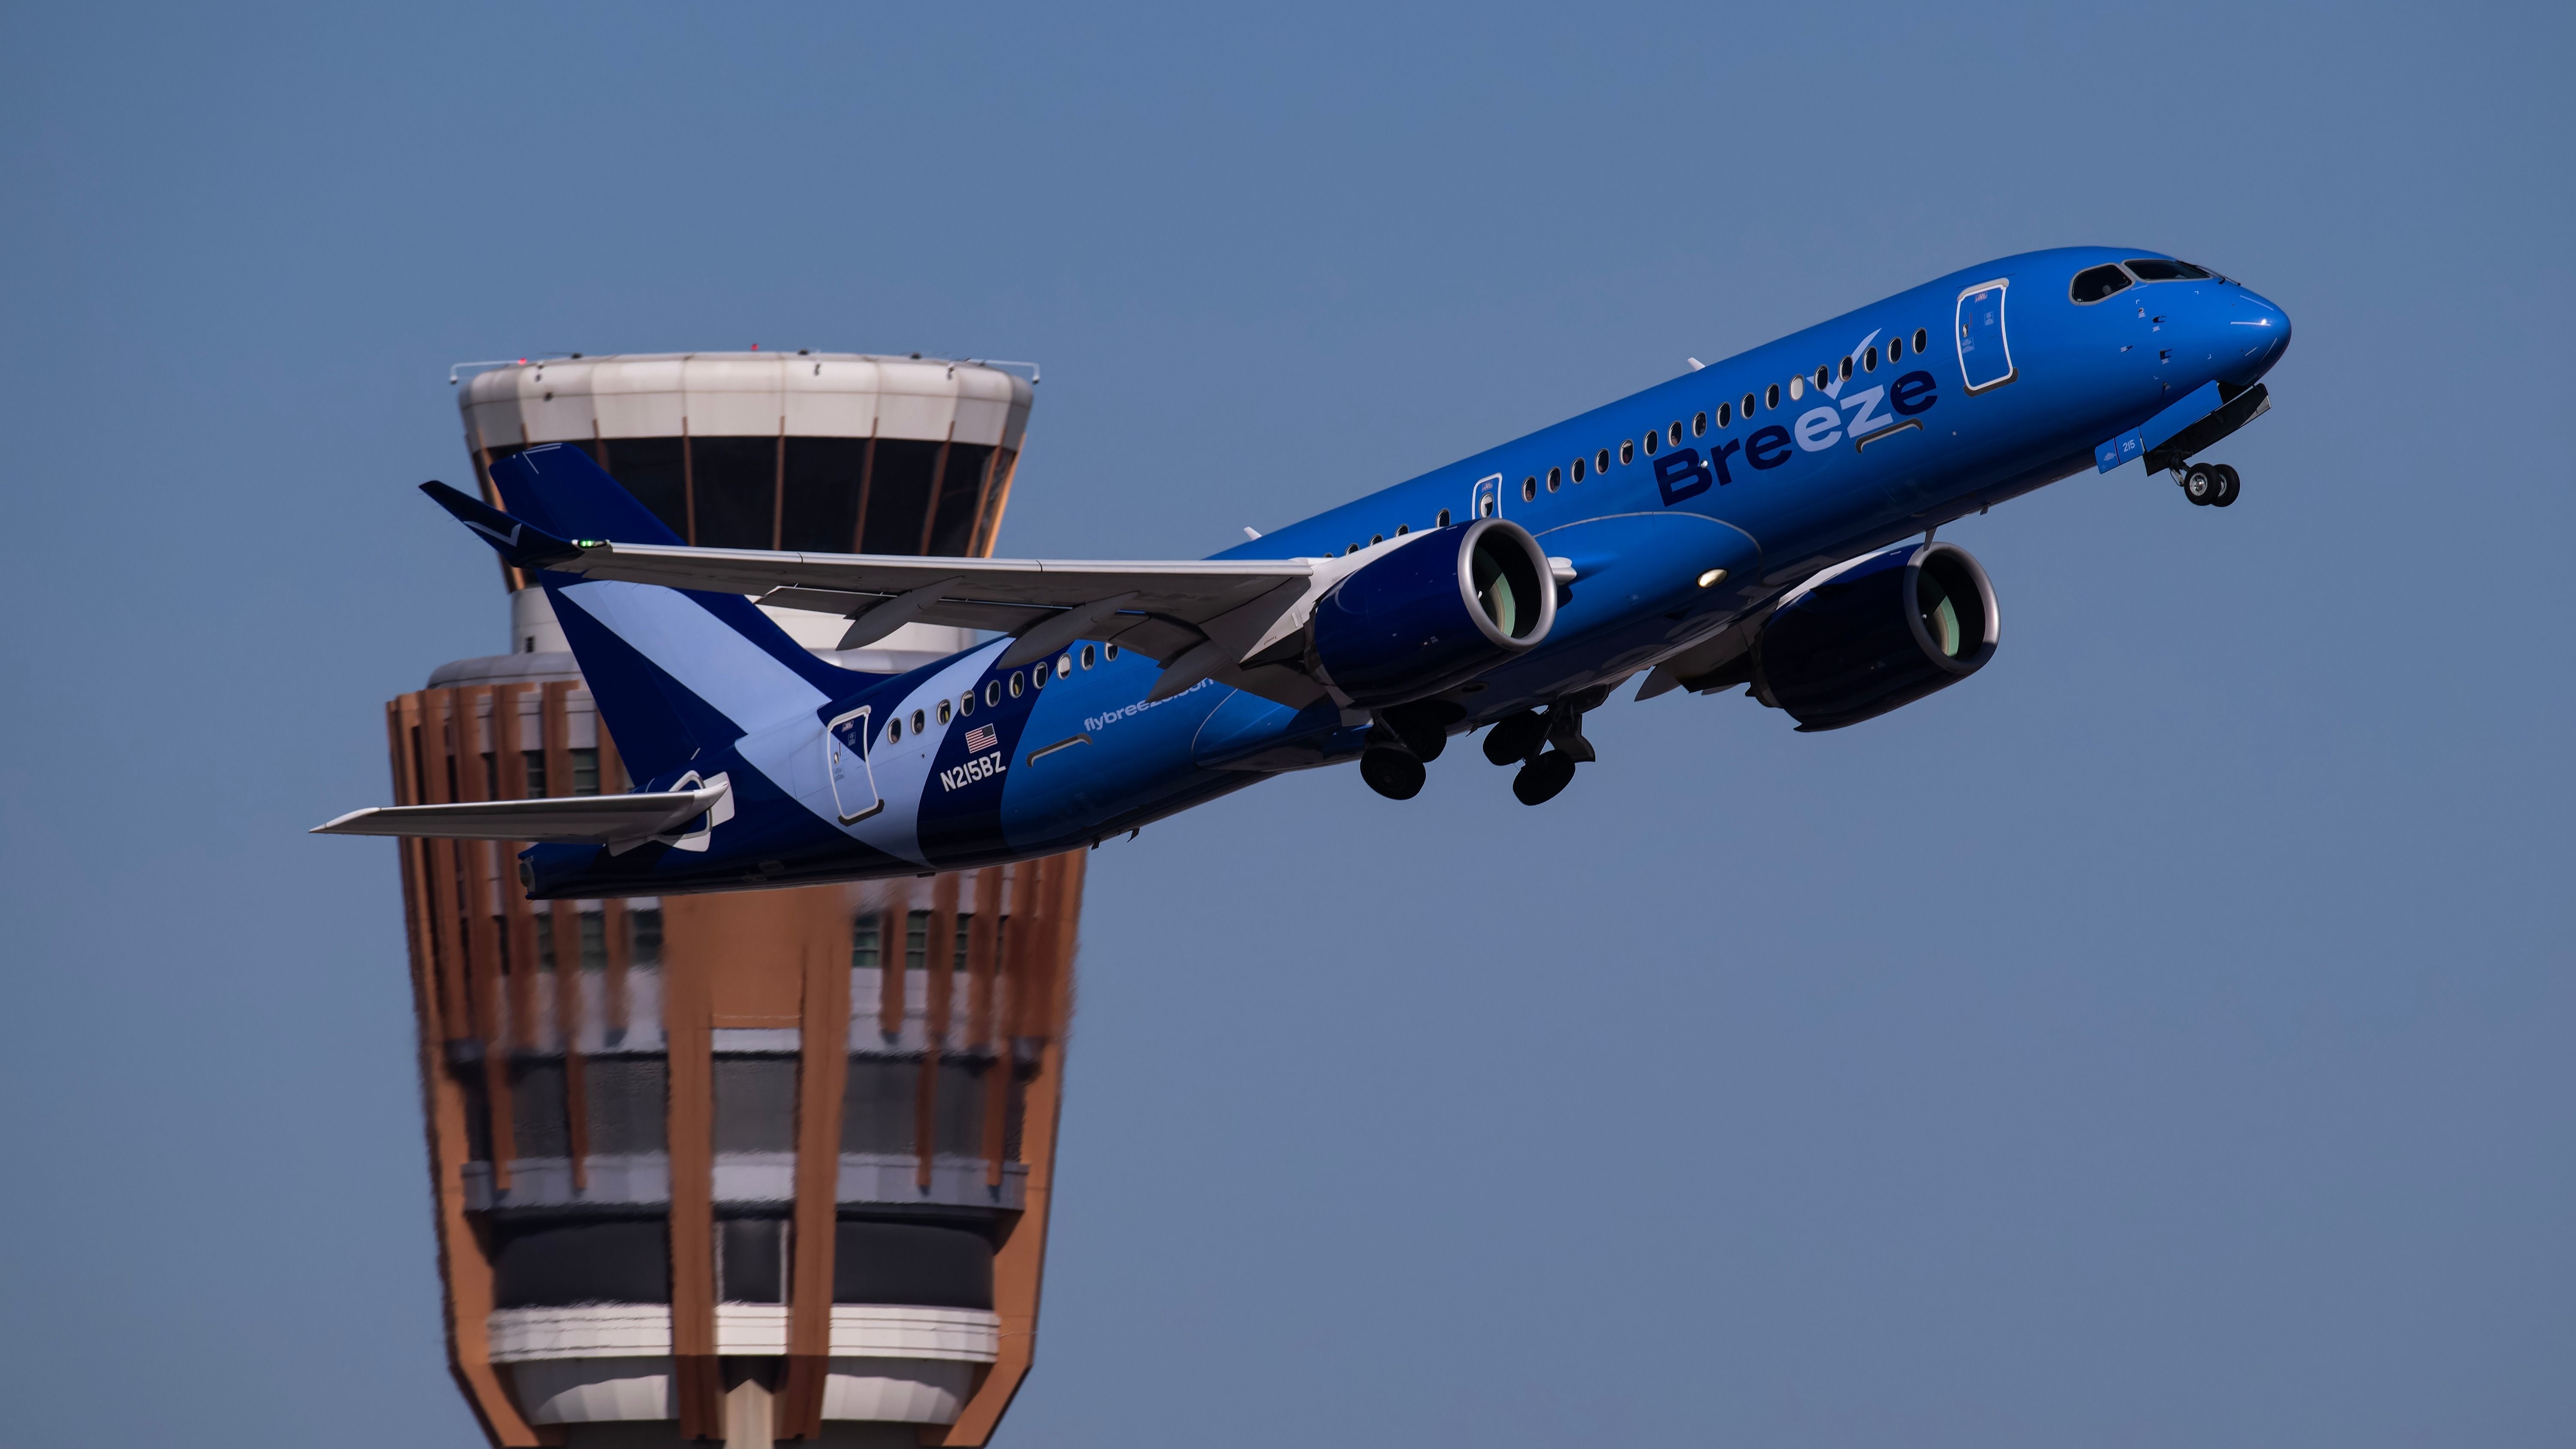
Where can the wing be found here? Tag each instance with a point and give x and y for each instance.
(1203, 619)
(1233, 620)
(592, 819)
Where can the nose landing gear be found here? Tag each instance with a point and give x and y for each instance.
(2207, 485)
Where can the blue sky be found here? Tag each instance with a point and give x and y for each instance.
(2161, 1038)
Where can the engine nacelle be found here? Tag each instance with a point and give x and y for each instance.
(1878, 633)
(1434, 613)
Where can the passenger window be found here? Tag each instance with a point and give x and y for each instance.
(1770, 398)
(1088, 656)
(1529, 488)
(1350, 548)
(1111, 651)
(1847, 369)
(1651, 440)
(943, 711)
(1402, 529)
(1601, 461)
(1922, 338)
(1895, 348)
(1869, 360)
(1038, 677)
(1015, 684)
(1555, 479)
(1442, 523)
(1676, 433)
(919, 722)
(1627, 451)
(1726, 413)
(1699, 425)
(1797, 389)
(993, 692)
(894, 729)
(1824, 378)
(2095, 283)
(1063, 666)
(1376, 538)
(966, 703)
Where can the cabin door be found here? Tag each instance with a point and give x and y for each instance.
(854, 784)
(1985, 353)
(1488, 499)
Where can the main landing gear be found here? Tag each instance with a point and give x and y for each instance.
(1391, 772)
(2207, 485)
(1403, 740)
(1545, 746)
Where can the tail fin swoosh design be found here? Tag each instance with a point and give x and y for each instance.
(676, 672)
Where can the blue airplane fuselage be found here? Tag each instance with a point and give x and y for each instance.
(1961, 393)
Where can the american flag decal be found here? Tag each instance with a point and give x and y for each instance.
(979, 738)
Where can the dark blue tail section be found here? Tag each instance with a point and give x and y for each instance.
(519, 541)
(559, 489)
(677, 673)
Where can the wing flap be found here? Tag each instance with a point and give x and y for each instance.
(579, 819)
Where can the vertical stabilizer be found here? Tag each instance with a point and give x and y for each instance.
(676, 672)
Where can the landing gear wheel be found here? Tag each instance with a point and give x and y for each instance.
(1541, 779)
(2200, 484)
(1422, 726)
(1392, 773)
(1516, 737)
(2228, 487)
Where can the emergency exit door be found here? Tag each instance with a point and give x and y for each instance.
(854, 783)
(1985, 353)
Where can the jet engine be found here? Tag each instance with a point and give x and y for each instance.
(1433, 613)
(1877, 633)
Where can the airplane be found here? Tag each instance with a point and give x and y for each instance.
(1766, 522)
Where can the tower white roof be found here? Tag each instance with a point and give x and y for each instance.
(744, 394)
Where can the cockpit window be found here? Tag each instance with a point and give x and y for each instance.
(2095, 283)
(2159, 269)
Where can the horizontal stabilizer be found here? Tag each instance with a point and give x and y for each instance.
(577, 819)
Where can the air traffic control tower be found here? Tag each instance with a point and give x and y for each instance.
(747, 1167)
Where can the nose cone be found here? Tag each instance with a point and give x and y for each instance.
(2258, 333)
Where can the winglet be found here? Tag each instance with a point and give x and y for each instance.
(517, 540)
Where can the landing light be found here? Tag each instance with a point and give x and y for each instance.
(1712, 578)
